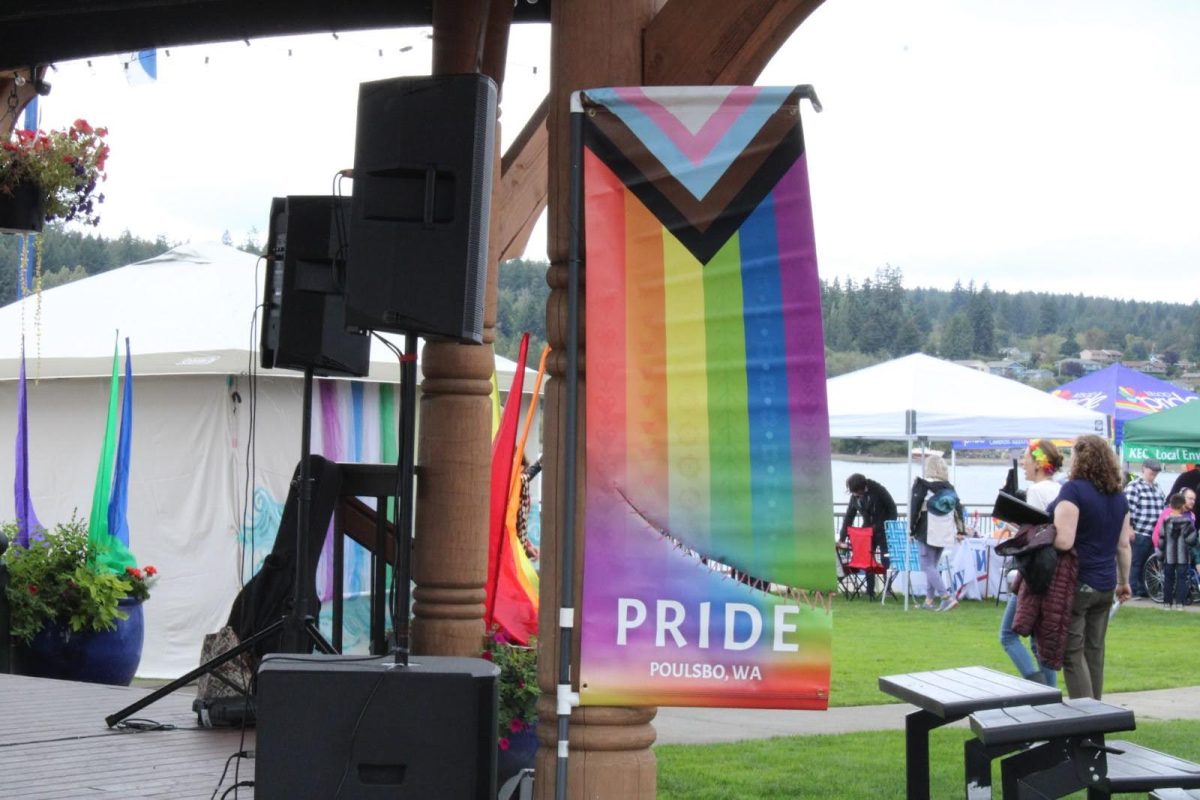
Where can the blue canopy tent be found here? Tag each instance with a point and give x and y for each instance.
(1123, 394)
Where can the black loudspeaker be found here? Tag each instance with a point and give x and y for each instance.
(423, 156)
(304, 303)
(358, 727)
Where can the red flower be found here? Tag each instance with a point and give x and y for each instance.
(82, 126)
(487, 654)
(33, 588)
(102, 131)
(516, 726)
(135, 572)
(150, 570)
(503, 743)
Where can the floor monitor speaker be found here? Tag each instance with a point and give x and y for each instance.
(304, 303)
(360, 728)
(423, 157)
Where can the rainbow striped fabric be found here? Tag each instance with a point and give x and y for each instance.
(708, 557)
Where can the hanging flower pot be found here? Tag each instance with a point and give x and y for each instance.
(59, 172)
(110, 657)
(22, 209)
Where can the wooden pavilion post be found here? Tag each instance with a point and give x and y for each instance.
(593, 43)
(454, 444)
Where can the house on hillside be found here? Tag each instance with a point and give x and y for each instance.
(1016, 354)
(1076, 366)
(1006, 368)
(1151, 367)
(1101, 357)
(973, 363)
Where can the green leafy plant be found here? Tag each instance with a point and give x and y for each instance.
(518, 684)
(54, 580)
(67, 165)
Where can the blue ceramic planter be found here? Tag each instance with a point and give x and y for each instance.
(522, 748)
(110, 657)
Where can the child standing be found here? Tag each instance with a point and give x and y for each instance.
(1175, 544)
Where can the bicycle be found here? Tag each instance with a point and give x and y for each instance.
(1153, 575)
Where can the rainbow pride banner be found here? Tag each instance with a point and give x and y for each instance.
(708, 562)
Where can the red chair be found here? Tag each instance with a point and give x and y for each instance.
(862, 562)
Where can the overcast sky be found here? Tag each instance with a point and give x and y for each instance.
(1026, 144)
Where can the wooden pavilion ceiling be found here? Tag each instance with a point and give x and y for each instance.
(34, 32)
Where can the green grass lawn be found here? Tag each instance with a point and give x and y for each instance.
(1147, 647)
(850, 766)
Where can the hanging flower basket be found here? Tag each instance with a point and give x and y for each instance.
(23, 209)
(63, 167)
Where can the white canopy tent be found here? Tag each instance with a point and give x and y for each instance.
(203, 505)
(922, 398)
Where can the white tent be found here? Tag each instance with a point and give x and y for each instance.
(921, 397)
(204, 505)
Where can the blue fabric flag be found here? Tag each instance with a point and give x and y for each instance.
(118, 503)
(27, 521)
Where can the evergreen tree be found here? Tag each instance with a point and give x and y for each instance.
(1069, 347)
(979, 313)
(957, 338)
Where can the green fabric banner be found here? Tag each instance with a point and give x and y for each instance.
(103, 549)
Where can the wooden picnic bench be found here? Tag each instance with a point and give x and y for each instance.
(947, 695)
(1064, 750)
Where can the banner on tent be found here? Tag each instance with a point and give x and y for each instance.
(1133, 452)
(707, 562)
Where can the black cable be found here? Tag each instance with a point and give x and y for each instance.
(392, 585)
(239, 755)
(362, 712)
(139, 724)
(235, 787)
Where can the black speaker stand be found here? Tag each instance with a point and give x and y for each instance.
(296, 628)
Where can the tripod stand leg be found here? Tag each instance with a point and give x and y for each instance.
(208, 666)
(318, 640)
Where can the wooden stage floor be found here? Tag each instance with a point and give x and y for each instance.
(54, 745)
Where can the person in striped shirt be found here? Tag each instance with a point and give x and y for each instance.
(1146, 502)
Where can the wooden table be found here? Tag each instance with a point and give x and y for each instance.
(947, 695)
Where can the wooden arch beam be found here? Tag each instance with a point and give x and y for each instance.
(716, 42)
(524, 172)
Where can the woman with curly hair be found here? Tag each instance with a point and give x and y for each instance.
(1091, 515)
(1040, 461)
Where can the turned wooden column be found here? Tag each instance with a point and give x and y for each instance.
(594, 43)
(455, 437)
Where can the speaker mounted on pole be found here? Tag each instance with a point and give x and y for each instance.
(304, 304)
(423, 159)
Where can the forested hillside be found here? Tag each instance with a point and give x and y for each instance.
(865, 322)
(879, 319)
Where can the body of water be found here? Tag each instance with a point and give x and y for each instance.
(976, 484)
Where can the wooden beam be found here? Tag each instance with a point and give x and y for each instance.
(524, 172)
(716, 42)
(24, 93)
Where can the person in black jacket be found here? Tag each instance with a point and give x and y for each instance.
(1188, 479)
(873, 502)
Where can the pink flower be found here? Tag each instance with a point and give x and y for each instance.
(503, 742)
(516, 726)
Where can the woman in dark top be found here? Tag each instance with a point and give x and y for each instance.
(876, 506)
(1091, 516)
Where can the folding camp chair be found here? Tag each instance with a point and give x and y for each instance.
(903, 557)
(861, 563)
